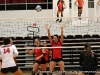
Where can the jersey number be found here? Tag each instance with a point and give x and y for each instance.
(6, 50)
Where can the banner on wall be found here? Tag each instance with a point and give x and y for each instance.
(55, 8)
(75, 9)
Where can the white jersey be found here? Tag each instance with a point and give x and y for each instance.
(7, 52)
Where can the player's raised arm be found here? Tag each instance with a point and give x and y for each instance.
(62, 35)
(49, 35)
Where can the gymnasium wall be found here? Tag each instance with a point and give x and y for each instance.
(34, 14)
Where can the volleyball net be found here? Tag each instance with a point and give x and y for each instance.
(18, 27)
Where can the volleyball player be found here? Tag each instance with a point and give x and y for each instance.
(11, 42)
(56, 52)
(88, 61)
(98, 2)
(39, 60)
(7, 52)
(80, 7)
(48, 53)
(60, 5)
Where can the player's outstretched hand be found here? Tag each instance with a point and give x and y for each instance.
(63, 26)
(47, 27)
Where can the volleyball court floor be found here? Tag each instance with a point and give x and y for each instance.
(55, 73)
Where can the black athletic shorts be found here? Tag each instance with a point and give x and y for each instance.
(57, 59)
(88, 70)
(79, 7)
(9, 69)
(43, 61)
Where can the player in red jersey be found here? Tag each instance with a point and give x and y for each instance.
(40, 60)
(56, 52)
(61, 6)
(98, 2)
(48, 53)
(80, 7)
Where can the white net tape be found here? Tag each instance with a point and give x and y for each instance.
(62, 47)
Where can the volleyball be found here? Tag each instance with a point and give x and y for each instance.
(38, 8)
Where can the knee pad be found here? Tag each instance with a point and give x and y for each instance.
(50, 73)
(57, 15)
(33, 73)
(61, 15)
(63, 72)
(80, 13)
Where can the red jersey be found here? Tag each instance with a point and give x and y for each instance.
(47, 55)
(56, 52)
(38, 52)
(80, 3)
(60, 5)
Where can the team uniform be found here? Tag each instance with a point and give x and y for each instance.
(38, 52)
(88, 63)
(56, 52)
(7, 53)
(60, 6)
(47, 56)
(80, 4)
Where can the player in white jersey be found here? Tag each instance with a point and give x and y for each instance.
(8, 52)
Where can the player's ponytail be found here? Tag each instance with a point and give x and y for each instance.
(88, 49)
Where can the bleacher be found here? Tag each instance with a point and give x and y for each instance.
(76, 34)
(72, 47)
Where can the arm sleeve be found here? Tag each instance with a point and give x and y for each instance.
(81, 59)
